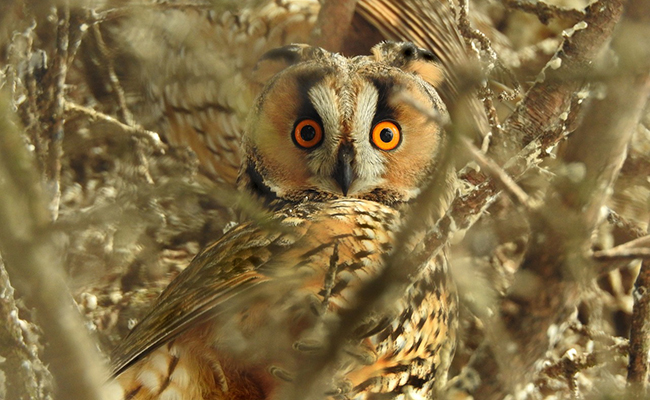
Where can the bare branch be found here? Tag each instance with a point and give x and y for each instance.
(625, 232)
(122, 108)
(494, 170)
(26, 376)
(622, 254)
(470, 33)
(58, 74)
(572, 363)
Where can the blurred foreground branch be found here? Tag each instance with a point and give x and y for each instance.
(28, 248)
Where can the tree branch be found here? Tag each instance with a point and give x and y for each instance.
(501, 176)
(73, 109)
(550, 97)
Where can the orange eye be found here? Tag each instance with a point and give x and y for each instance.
(386, 135)
(307, 134)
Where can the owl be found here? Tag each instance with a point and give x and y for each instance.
(338, 154)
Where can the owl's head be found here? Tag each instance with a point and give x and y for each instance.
(326, 126)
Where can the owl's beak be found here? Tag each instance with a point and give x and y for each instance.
(343, 173)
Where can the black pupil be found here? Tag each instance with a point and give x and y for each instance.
(307, 133)
(386, 135)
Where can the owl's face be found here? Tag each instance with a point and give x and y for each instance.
(328, 126)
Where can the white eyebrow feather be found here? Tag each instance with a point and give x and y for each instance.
(323, 98)
(372, 166)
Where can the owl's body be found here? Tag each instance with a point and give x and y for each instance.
(286, 286)
(338, 155)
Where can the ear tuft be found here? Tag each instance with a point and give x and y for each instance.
(410, 58)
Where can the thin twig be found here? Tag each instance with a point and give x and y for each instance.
(122, 11)
(624, 229)
(501, 176)
(622, 254)
(491, 112)
(94, 115)
(637, 248)
(29, 111)
(625, 233)
(116, 88)
(143, 164)
(571, 363)
(618, 344)
(78, 29)
(470, 33)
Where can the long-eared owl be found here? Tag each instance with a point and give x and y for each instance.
(337, 151)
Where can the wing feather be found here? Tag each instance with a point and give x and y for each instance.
(217, 276)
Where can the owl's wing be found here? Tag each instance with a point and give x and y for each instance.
(222, 273)
(327, 250)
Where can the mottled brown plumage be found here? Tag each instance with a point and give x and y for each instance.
(256, 308)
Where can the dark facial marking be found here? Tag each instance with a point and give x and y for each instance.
(385, 87)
